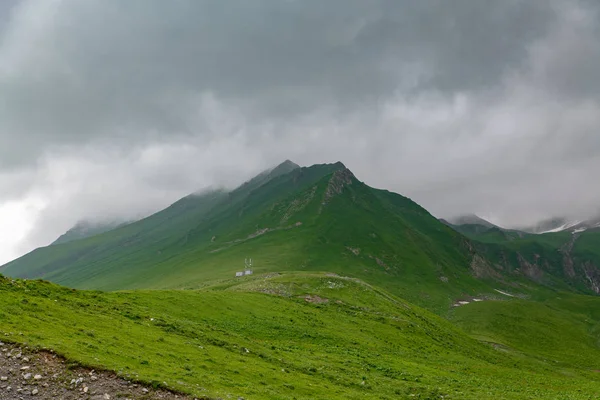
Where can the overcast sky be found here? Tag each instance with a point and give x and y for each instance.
(113, 108)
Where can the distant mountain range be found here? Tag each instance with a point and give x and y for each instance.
(552, 225)
(564, 224)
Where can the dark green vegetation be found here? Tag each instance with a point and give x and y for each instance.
(295, 329)
(306, 337)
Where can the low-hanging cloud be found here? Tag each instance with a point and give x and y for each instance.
(112, 109)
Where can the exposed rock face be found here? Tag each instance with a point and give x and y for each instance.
(592, 274)
(338, 181)
(576, 270)
(568, 264)
(531, 270)
(482, 269)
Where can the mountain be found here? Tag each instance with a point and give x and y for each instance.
(586, 225)
(551, 225)
(555, 253)
(318, 218)
(554, 225)
(471, 219)
(85, 228)
(479, 229)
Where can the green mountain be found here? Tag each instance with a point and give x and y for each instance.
(479, 229)
(471, 219)
(319, 218)
(566, 260)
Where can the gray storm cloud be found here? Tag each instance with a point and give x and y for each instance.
(112, 109)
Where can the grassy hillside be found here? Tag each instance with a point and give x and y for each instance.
(563, 329)
(293, 336)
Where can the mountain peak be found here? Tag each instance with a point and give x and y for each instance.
(285, 167)
(471, 219)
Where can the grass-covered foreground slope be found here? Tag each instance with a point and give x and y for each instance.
(284, 337)
(563, 329)
(319, 218)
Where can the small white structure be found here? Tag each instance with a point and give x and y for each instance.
(247, 270)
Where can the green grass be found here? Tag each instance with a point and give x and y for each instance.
(563, 330)
(259, 338)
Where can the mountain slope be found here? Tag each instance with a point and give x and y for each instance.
(562, 260)
(478, 228)
(84, 229)
(471, 219)
(565, 225)
(566, 256)
(135, 243)
(319, 218)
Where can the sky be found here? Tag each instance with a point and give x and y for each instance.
(114, 109)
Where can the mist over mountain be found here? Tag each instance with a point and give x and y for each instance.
(466, 108)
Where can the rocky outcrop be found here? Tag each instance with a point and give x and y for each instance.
(568, 263)
(339, 180)
(482, 268)
(530, 270)
(592, 274)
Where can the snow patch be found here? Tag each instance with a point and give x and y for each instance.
(562, 227)
(504, 293)
(460, 303)
(579, 230)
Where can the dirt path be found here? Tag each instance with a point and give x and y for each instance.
(25, 374)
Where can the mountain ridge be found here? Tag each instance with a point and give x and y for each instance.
(317, 218)
(86, 228)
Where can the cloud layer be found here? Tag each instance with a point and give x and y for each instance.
(112, 109)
